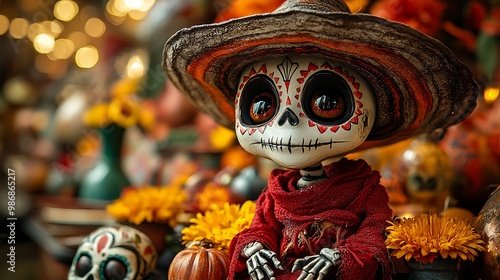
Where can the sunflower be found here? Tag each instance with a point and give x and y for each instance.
(429, 236)
(219, 225)
(123, 112)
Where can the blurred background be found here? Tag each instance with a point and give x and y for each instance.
(86, 112)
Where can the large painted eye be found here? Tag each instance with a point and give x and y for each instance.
(83, 265)
(258, 102)
(327, 104)
(327, 99)
(114, 269)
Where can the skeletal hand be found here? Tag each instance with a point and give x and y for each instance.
(317, 266)
(259, 260)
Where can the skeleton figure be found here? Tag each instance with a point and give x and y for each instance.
(307, 83)
(114, 253)
(299, 111)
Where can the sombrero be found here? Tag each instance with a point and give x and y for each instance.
(420, 85)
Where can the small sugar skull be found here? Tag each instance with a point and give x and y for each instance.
(300, 110)
(112, 253)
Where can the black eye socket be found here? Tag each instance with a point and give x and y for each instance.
(114, 269)
(327, 99)
(83, 265)
(259, 101)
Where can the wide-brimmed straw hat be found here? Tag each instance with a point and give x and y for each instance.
(420, 85)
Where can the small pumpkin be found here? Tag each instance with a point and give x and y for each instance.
(199, 263)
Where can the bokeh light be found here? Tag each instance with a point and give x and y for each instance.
(137, 15)
(33, 30)
(65, 10)
(44, 43)
(4, 24)
(491, 93)
(63, 49)
(87, 57)
(135, 67)
(95, 27)
(18, 28)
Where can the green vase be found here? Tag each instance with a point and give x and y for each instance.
(439, 269)
(106, 179)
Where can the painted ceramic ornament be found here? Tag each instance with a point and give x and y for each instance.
(306, 83)
(114, 252)
(487, 223)
(425, 174)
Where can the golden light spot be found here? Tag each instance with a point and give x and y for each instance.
(87, 57)
(135, 67)
(491, 93)
(137, 15)
(44, 43)
(112, 10)
(4, 24)
(63, 48)
(33, 30)
(95, 27)
(18, 28)
(146, 5)
(56, 27)
(65, 10)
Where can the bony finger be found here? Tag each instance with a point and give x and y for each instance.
(310, 276)
(253, 275)
(303, 275)
(260, 274)
(297, 265)
(324, 270)
(312, 264)
(267, 270)
(277, 263)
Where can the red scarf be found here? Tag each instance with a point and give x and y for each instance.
(348, 211)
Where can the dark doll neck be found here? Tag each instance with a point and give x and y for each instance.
(310, 175)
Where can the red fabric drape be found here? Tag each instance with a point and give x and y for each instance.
(348, 211)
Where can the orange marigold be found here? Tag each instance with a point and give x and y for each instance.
(429, 236)
(149, 204)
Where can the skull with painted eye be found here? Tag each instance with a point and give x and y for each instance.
(114, 253)
(299, 111)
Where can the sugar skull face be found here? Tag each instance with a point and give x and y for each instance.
(112, 253)
(299, 111)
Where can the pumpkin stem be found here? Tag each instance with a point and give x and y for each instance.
(204, 243)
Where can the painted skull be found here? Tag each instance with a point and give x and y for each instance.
(299, 111)
(117, 252)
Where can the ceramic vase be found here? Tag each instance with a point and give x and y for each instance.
(106, 179)
(439, 269)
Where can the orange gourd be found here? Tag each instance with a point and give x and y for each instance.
(199, 263)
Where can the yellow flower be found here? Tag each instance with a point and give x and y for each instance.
(97, 116)
(427, 237)
(149, 204)
(212, 194)
(146, 119)
(125, 87)
(123, 112)
(219, 225)
(222, 138)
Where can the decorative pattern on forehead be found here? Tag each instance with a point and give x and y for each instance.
(104, 240)
(246, 78)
